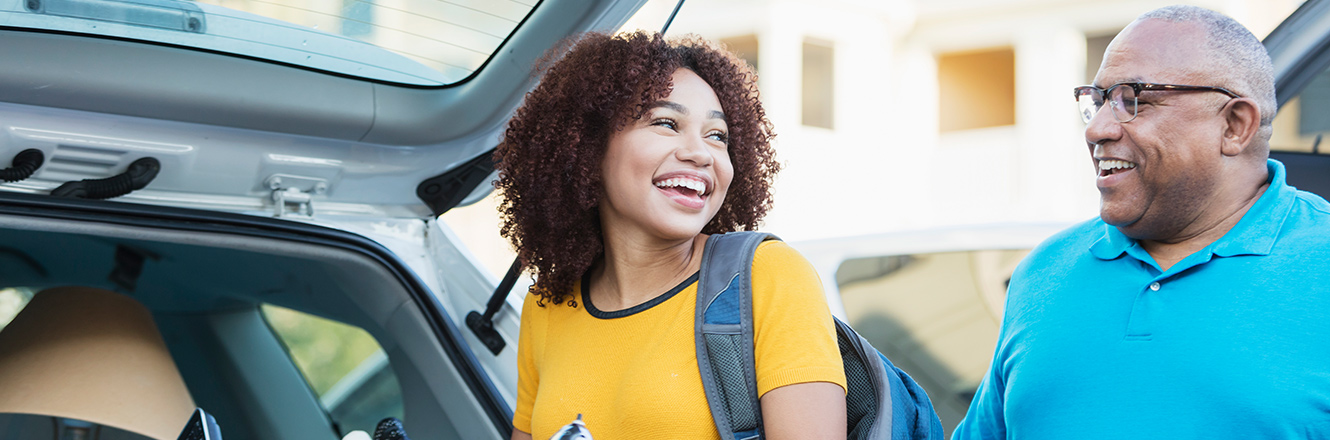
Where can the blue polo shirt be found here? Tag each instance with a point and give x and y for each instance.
(1233, 342)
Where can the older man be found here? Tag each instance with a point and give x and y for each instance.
(1198, 304)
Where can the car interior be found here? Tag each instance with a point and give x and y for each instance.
(205, 291)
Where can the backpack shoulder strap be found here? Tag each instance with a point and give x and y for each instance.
(724, 333)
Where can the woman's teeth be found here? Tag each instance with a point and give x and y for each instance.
(695, 185)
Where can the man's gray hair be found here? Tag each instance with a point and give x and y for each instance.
(1237, 57)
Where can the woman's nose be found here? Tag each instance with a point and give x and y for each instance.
(694, 150)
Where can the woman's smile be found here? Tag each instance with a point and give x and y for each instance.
(685, 188)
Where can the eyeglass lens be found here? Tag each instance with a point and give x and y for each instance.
(1121, 97)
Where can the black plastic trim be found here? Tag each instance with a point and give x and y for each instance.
(1306, 171)
(182, 219)
(445, 191)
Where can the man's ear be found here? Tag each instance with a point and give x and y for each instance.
(1242, 120)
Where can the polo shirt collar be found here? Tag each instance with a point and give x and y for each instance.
(1255, 234)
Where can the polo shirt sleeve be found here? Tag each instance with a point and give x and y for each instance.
(795, 339)
(530, 339)
(985, 420)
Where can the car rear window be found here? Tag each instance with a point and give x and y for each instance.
(419, 42)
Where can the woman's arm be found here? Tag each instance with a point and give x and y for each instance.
(813, 410)
(796, 351)
(519, 435)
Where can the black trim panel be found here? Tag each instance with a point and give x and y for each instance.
(1307, 172)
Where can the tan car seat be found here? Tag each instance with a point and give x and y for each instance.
(91, 355)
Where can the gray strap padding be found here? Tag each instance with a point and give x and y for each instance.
(868, 399)
(727, 261)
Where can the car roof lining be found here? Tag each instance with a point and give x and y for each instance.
(222, 277)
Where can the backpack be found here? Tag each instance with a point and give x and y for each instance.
(881, 402)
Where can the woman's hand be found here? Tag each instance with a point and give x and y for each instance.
(814, 410)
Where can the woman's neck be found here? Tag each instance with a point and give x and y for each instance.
(634, 271)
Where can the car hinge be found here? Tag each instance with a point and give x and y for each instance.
(447, 190)
(294, 190)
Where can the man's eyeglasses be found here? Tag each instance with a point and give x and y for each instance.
(1122, 97)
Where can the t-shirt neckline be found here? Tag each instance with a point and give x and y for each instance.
(597, 313)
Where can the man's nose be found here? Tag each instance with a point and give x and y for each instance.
(1103, 126)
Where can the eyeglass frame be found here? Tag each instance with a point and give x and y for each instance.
(1137, 88)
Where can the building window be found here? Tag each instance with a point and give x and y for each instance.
(819, 85)
(357, 18)
(977, 89)
(1095, 46)
(745, 47)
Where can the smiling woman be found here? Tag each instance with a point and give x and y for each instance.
(551, 157)
(631, 152)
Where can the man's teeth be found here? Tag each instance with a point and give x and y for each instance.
(696, 185)
(1108, 165)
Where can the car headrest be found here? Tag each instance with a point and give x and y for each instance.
(93, 355)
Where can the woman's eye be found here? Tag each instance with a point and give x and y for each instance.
(722, 137)
(667, 123)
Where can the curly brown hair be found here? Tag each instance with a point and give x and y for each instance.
(550, 157)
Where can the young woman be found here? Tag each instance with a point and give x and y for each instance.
(615, 170)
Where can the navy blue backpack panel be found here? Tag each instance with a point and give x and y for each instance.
(882, 402)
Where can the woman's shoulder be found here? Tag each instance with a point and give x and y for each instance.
(778, 255)
(536, 307)
(781, 271)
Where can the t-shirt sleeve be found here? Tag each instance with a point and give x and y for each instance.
(795, 337)
(529, 341)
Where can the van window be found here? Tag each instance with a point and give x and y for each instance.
(935, 315)
(343, 364)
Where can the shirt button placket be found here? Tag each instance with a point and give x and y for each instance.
(1142, 311)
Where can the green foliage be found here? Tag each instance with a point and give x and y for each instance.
(324, 351)
(12, 299)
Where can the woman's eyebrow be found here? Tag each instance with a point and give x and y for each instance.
(714, 114)
(669, 105)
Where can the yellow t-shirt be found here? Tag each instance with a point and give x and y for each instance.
(632, 374)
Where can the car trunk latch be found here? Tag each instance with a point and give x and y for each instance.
(295, 191)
